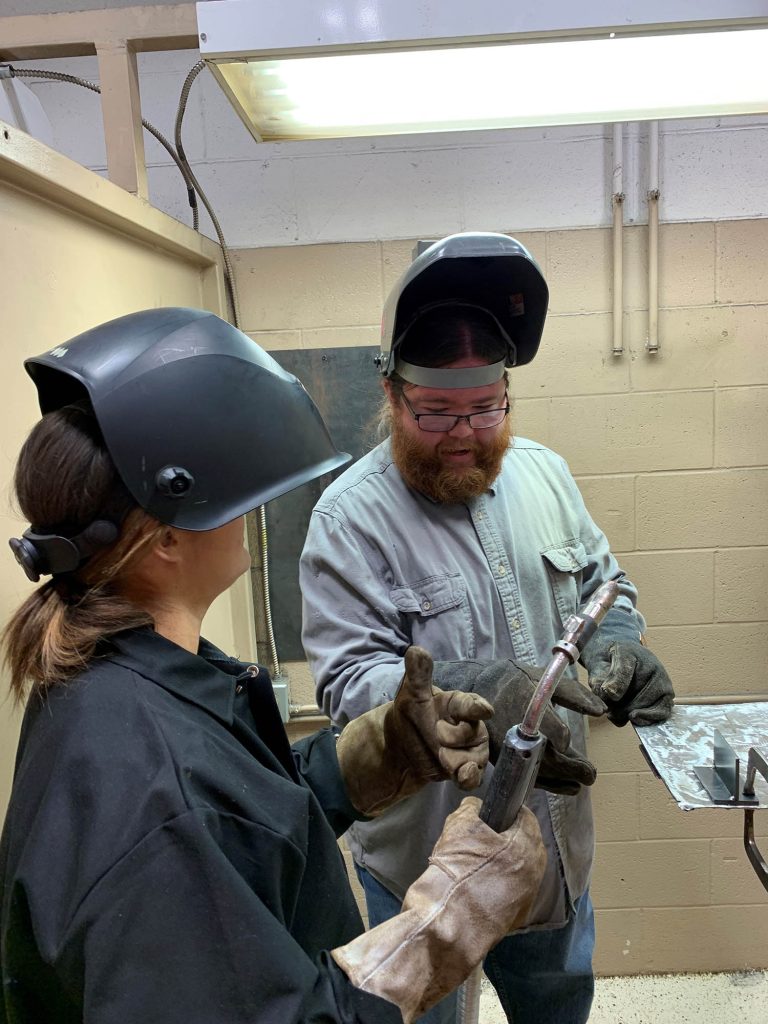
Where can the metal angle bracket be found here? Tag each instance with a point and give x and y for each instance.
(755, 763)
(721, 779)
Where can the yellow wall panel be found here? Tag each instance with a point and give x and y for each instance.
(79, 251)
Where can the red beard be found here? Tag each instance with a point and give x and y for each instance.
(424, 470)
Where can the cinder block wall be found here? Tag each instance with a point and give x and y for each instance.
(671, 452)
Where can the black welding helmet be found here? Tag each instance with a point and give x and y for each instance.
(201, 424)
(489, 272)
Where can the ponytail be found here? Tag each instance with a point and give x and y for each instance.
(65, 480)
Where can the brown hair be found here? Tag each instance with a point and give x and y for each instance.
(447, 333)
(64, 480)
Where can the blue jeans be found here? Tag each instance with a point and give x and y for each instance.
(541, 977)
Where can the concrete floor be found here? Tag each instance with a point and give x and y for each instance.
(740, 998)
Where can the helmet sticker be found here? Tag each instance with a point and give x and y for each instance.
(517, 304)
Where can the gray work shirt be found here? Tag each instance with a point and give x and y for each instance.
(384, 567)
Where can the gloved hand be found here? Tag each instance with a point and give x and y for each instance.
(479, 886)
(630, 679)
(423, 735)
(509, 687)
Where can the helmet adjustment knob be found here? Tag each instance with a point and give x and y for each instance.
(174, 481)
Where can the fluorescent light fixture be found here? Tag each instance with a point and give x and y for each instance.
(430, 85)
(503, 86)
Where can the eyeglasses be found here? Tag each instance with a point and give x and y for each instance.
(442, 422)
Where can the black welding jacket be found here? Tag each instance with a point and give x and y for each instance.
(168, 857)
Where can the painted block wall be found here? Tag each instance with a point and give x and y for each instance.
(670, 450)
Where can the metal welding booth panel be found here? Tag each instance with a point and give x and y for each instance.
(76, 251)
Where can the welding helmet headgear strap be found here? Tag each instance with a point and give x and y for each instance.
(453, 377)
(49, 554)
(450, 377)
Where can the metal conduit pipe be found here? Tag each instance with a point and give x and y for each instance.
(617, 202)
(60, 76)
(261, 518)
(313, 711)
(652, 345)
(468, 998)
(742, 698)
(229, 271)
(306, 711)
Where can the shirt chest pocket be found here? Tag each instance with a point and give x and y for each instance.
(437, 613)
(565, 565)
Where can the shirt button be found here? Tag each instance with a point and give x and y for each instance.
(515, 623)
(502, 571)
(426, 605)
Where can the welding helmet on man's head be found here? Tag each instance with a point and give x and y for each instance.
(201, 424)
(488, 273)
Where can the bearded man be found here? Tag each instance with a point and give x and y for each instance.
(477, 546)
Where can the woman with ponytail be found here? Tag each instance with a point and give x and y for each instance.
(64, 476)
(166, 855)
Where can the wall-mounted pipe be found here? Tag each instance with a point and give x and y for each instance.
(740, 698)
(617, 202)
(274, 660)
(306, 711)
(652, 344)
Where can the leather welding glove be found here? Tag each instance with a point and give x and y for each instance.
(629, 678)
(479, 886)
(509, 687)
(423, 735)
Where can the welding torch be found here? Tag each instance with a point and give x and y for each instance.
(523, 746)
